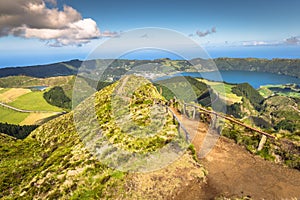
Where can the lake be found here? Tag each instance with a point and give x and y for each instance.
(40, 88)
(256, 79)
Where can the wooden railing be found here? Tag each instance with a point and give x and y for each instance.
(225, 117)
(216, 114)
(180, 125)
(232, 120)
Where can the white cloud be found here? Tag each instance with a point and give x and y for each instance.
(289, 41)
(254, 43)
(33, 19)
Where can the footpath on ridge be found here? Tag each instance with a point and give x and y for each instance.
(234, 172)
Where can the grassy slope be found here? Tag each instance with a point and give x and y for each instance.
(34, 101)
(2, 90)
(267, 91)
(57, 165)
(224, 90)
(36, 118)
(26, 81)
(11, 117)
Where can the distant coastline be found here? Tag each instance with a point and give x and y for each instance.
(289, 67)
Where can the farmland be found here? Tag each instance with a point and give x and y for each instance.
(30, 101)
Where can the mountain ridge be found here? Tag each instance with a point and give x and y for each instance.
(289, 67)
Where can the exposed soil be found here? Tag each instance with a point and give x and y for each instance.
(234, 172)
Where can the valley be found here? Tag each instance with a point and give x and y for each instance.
(72, 154)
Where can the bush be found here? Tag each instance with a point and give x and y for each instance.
(19, 132)
(246, 90)
(57, 97)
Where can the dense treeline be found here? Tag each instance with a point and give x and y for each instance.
(246, 90)
(57, 97)
(19, 132)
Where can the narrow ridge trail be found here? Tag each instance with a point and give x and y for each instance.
(234, 172)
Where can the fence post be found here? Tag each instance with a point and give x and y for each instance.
(262, 142)
(178, 128)
(184, 109)
(187, 138)
(194, 113)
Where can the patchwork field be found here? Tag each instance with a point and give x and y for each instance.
(33, 101)
(12, 94)
(27, 100)
(35, 118)
(12, 117)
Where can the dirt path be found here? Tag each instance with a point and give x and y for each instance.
(27, 111)
(234, 172)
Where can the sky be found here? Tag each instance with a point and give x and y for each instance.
(45, 31)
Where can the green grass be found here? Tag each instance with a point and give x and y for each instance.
(34, 101)
(2, 90)
(224, 90)
(11, 116)
(265, 92)
(279, 90)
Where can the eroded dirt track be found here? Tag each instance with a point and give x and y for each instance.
(234, 172)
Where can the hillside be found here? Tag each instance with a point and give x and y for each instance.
(118, 67)
(42, 71)
(289, 67)
(59, 163)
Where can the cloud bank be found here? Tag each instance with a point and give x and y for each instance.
(33, 19)
(204, 33)
(294, 40)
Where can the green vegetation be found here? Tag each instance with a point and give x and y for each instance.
(2, 90)
(224, 90)
(16, 131)
(34, 101)
(235, 110)
(119, 67)
(11, 116)
(57, 164)
(289, 90)
(26, 81)
(145, 120)
(287, 151)
(278, 66)
(282, 112)
(185, 88)
(265, 92)
(65, 163)
(57, 97)
(247, 91)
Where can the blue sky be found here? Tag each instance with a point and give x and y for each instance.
(231, 28)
